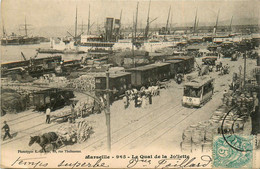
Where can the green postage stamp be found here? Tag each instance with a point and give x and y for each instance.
(233, 151)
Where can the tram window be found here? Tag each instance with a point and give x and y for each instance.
(207, 88)
(192, 92)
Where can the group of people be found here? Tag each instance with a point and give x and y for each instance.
(140, 98)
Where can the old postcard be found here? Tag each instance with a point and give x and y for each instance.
(130, 84)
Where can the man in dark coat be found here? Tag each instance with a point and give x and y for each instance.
(7, 130)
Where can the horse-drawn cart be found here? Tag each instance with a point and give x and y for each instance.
(67, 134)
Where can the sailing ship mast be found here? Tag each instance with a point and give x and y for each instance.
(88, 19)
(25, 27)
(136, 19)
(119, 27)
(148, 22)
(197, 25)
(76, 23)
(133, 51)
(166, 28)
(230, 26)
(216, 26)
(195, 22)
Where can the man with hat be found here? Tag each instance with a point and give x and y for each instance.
(7, 130)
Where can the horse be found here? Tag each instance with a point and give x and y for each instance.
(44, 140)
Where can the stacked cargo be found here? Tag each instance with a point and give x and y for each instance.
(52, 81)
(223, 120)
(84, 82)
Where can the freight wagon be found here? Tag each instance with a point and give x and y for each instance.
(176, 67)
(188, 62)
(149, 74)
(119, 82)
(53, 97)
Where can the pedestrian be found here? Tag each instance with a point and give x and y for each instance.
(139, 101)
(48, 115)
(126, 101)
(136, 100)
(143, 101)
(150, 98)
(6, 128)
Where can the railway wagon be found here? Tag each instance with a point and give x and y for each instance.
(176, 67)
(53, 97)
(119, 82)
(188, 62)
(149, 74)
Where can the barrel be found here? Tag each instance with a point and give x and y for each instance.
(207, 146)
(209, 133)
(186, 136)
(196, 147)
(186, 146)
(197, 136)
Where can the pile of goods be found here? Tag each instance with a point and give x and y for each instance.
(83, 83)
(200, 136)
(12, 101)
(63, 112)
(84, 108)
(74, 132)
(52, 81)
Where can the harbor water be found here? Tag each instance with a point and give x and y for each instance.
(12, 53)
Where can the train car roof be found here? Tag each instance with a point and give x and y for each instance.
(197, 83)
(174, 61)
(150, 66)
(113, 75)
(181, 57)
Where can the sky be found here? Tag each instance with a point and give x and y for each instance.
(61, 13)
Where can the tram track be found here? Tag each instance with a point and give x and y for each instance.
(152, 137)
(24, 120)
(150, 132)
(18, 118)
(153, 117)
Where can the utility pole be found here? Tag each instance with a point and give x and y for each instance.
(245, 54)
(240, 77)
(108, 113)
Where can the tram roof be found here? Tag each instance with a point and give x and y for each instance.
(196, 83)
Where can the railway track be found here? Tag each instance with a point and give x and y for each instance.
(33, 129)
(132, 126)
(161, 129)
